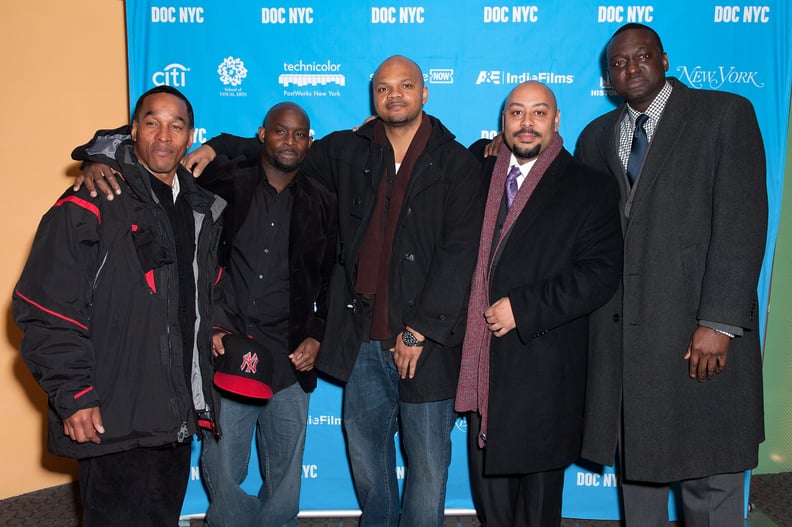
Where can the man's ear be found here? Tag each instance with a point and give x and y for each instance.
(133, 132)
(262, 134)
(192, 138)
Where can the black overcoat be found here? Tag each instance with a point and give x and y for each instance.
(560, 261)
(694, 238)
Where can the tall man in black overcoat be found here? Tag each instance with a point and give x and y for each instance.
(683, 329)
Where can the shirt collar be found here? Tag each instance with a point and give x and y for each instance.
(655, 109)
(524, 168)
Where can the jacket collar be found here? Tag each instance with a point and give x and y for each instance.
(136, 176)
(440, 134)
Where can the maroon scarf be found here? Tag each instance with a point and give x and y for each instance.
(474, 375)
(375, 252)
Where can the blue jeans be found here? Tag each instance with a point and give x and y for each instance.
(371, 409)
(279, 425)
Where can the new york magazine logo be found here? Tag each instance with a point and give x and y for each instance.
(715, 78)
(232, 72)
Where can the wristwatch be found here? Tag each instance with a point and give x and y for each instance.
(410, 340)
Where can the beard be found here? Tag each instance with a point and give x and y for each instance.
(527, 153)
(285, 167)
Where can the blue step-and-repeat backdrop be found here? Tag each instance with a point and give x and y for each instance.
(234, 60)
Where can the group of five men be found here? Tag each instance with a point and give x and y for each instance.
(608, 291)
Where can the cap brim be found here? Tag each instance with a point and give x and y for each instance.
(242, 386)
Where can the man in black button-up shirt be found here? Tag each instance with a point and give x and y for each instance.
(278, 249)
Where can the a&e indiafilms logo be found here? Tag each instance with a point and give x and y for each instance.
(232, 72)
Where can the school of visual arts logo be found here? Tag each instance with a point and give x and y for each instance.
(232, 71)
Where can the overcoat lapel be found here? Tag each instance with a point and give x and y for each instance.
(670, 128)
(545, 189)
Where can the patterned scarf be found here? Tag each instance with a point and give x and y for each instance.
(474, 376)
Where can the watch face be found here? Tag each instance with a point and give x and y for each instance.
(409, 339)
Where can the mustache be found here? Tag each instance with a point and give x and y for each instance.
(286, 151)
(527, 131)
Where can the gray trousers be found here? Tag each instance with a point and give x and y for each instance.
(713, 501)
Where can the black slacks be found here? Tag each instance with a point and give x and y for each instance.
(137, 488)
(518, 500)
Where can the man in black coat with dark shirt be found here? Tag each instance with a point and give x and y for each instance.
(278, 249)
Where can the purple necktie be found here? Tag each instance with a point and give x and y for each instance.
(511, 185)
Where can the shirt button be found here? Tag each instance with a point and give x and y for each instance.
(261, 277)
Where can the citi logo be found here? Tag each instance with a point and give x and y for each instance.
(174, 75)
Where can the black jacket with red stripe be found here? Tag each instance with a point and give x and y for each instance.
(98, 302)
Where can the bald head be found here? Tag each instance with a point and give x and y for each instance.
(286, 107)
(401, 63)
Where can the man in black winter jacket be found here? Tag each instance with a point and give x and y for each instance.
(277, 251)
(409, 211)
(115, 303)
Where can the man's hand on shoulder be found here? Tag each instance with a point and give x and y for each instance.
(197, 160)
(98, 176)
(493, 148)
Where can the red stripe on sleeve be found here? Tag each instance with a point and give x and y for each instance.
(87, 205)
(82, 392)
(51, 312)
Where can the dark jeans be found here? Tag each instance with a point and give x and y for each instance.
(137, 488)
